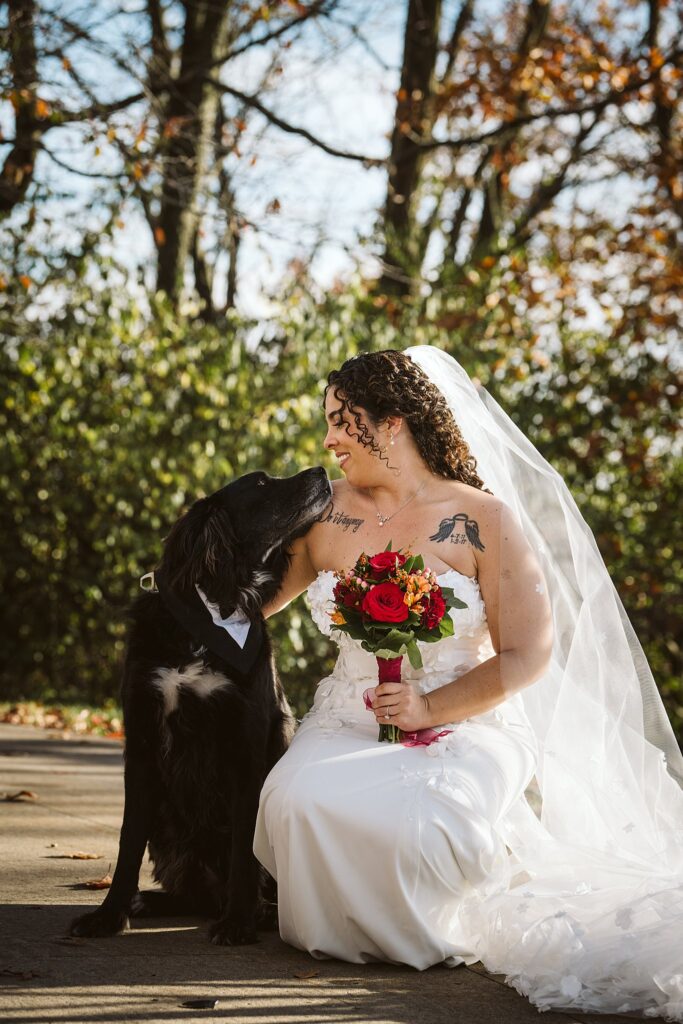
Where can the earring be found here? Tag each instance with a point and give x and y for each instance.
(392, 439)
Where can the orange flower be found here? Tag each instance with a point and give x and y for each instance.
(337, 618)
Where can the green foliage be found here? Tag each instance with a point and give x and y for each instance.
(113, 420)
(112, 423)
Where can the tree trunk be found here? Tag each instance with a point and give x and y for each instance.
(17, 170)
(191, 115)
(413, 121)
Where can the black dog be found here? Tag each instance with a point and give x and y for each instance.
(205, 714)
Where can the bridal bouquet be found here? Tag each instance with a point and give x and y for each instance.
(389, 601)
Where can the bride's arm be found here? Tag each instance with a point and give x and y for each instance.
(520, 622)
(298, 576)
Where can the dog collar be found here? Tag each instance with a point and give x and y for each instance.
(204, 623)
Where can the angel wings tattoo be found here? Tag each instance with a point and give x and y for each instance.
(446, 527)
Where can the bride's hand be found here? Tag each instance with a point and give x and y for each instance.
(408, 709)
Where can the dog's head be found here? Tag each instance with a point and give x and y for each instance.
(233, 543)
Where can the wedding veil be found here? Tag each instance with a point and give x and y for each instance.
(603, 854)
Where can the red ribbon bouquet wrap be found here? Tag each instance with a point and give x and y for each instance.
(389, 601)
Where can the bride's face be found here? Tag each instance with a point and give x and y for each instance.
(356, 459)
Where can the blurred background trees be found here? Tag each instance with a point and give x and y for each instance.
(169, 309)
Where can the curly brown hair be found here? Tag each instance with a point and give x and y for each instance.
(389, 383)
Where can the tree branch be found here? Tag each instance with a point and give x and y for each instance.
(597, 106)
(255, 103)
(547, 190)
(461, 23)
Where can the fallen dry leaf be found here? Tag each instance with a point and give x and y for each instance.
(79, 855)
(98, 883)
(23, 794)
(306, 974)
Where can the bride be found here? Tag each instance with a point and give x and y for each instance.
(543, 834)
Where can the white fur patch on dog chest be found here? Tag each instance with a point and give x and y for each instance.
(195, 676)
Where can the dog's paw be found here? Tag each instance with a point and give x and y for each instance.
(233, 932)
(100, 923)
(139, 906)
(267, 919)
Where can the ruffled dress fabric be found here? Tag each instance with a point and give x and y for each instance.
(427, 855)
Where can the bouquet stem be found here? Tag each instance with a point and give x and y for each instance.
(389, 671)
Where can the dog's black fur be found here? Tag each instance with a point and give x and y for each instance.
(197, 751)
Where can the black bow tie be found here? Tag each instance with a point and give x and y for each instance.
(191, 613)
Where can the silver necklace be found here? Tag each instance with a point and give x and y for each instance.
(385, 519)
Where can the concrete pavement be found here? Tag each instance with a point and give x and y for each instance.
(146, 974)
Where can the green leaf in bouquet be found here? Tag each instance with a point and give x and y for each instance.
(354, 629)
(409, 563)
(399, 634)
(414, 655)
(446, 627)
(429, 636)
(451, 600)
(418, 562)
(389, 652)
(388, 547)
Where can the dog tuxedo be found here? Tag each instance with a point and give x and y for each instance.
(236, 639)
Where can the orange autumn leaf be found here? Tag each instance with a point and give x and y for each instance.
(160, 236)
(98, 883)
(80, 855)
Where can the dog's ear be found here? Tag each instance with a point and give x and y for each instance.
(201, 548)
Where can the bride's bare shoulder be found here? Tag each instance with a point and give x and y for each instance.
(473, 497)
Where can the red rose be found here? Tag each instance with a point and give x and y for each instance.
(434, 612)
(384, 603)
(385, 562)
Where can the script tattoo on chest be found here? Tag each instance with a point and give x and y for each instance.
(340, 518)
(447, 526)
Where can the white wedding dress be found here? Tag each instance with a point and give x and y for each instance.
(417, 855)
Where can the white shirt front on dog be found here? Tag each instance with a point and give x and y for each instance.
(236, 624)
